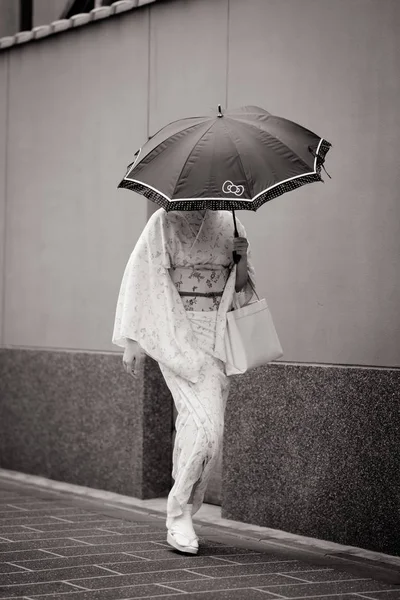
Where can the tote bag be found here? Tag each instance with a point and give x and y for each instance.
(251, 339)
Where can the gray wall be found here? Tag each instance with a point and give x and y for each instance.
(9, 17)
(326, 255)
(68, 231)
(46, 11)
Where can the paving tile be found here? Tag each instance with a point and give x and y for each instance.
(225, 583)
(32, 589)
(160, 565)
(338, 597)
(307, 590)
(97, 583)
(59, 526)
(382, 595)
(30, 520)
(50, 535)
(34, 544)
(106, 548)
(40, 512)
(227, 570)
(8, 530)
(316, 576)
(132, 530)
(240, 594)
(159, 553)
(131, 537)
(89, 516)
(51, 575)
(10, 568)
(240, 558)
(139, 591)
(77, 561)
(22, 555)
(127, 525)
(34, 504)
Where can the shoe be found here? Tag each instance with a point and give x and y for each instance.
(180, 542)
(181, 534)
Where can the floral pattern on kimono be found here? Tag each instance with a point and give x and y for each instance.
(149, 307)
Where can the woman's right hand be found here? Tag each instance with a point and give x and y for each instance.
(133, 357)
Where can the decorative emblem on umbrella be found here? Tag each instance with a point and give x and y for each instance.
(228, 187)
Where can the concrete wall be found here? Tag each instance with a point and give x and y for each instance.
(9, 17)
(44, 12)
(47, 11)
(326, 255)
(69, 232)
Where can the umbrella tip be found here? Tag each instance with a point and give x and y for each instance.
(220, 111)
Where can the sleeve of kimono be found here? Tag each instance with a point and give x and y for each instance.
(246, 294)
(149, 308)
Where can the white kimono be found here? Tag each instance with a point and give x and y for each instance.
(188, 344)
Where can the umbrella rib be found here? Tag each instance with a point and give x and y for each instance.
(277, 138)
(241, 163)
(169, 138)
(188, 157)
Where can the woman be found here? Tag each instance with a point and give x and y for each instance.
(177, 287)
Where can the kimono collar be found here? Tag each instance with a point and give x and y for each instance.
(194, 217)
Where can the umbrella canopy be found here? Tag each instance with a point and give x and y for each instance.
(238, 159)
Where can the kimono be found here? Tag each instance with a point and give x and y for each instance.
(186, 252)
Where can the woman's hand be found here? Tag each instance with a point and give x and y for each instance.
(240, 245)
(133, 358)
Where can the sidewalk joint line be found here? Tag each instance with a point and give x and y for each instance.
(232, 562)
(200, 574)
(75, 586)
(108, 531)
(79, 541)
(17, 507)
(54, 553)
(169, 587)
(21, 567)
(141, 557)
(109, 570)
(277, 595)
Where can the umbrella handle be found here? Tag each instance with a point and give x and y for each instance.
(236, 256)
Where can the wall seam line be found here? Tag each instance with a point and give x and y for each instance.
(149, 202)
(227, 54)
(278, 363)
(6, 145)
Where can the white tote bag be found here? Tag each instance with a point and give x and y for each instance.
(250, 337)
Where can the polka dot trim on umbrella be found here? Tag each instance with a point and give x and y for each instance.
(230, 203)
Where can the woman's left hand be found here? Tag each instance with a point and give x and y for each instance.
(240, 245)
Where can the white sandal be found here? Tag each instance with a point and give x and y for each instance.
(180, 542)
(178, 536)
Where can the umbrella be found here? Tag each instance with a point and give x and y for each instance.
(239, 159)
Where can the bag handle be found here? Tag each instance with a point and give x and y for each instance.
(248, 280)
(236, 256)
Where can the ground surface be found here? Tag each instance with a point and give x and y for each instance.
(54, 545)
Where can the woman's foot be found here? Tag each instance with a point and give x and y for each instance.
(181, 534)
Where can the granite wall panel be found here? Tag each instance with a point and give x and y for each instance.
(78, 418)
(314, 450)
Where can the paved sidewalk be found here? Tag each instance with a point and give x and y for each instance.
(54, 545)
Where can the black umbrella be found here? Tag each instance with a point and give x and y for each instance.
(239, 159)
